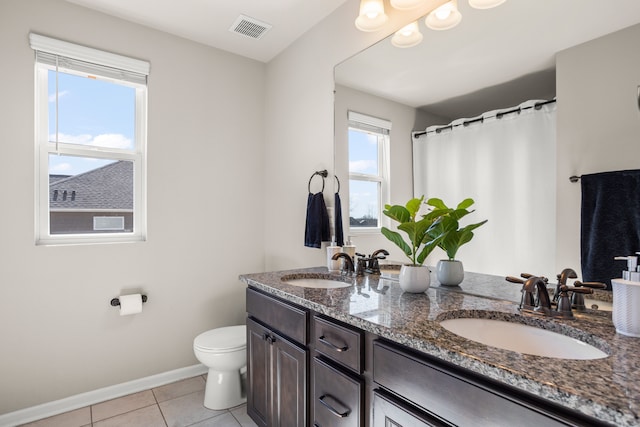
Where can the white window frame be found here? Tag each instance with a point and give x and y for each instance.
(43, 147)
(381, 128)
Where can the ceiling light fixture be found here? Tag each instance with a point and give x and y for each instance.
(408, 36)
(372, 16)
(485, 4)
(406, 4)
(444, 17)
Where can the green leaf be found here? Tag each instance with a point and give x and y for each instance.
(397, 239)
(465, 204)
(428, 248)
(413, 206)
(397, 213)
(437, 203)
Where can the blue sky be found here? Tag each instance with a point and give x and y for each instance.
(363, 158)
(90, 112)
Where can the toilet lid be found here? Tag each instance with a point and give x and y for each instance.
(222, 339)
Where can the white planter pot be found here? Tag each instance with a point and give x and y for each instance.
(450, 273)
(414, 278)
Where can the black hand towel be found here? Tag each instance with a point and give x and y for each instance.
(317, 228)
(610, 223)
(338, 218)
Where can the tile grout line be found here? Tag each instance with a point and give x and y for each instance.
(159, 408)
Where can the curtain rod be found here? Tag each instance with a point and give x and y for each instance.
(499, 115)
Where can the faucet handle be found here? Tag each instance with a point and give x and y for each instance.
(514, 280)
(592, 285)
(580, 290)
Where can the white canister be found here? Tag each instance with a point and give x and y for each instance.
(626, 307)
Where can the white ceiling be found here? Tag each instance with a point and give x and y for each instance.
(493, 53)
(512, 43)
(208, 21)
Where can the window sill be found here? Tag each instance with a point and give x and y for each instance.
(72, 240)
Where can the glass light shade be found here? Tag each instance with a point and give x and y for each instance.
(406, 4)
(485, 4)
(408, 36)
(372, 16)
(445, 17)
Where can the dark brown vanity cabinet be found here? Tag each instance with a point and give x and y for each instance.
(337, 397)
(307, 369)
(388, 412)
(447, 395)
(338, 388)
(277, 362)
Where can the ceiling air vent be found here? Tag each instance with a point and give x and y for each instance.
(249, 27)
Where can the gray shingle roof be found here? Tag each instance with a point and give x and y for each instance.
(107, 187)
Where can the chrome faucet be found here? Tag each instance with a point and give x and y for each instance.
(347, 265)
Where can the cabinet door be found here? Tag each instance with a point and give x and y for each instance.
(388, 413)
(337, 397)
(258, 373)
(289, 388)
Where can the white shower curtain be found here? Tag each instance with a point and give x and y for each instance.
(508, 166)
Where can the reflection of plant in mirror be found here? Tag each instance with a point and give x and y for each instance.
(446, 226)
(418, 231)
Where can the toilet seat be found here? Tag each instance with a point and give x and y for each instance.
(222, 340)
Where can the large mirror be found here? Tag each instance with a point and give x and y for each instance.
(493, 59)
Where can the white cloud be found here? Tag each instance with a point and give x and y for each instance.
(52, 97)
(360, 166)
(61, 167)
(112, 140)
(83, 139)
(107, 140)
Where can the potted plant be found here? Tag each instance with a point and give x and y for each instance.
(446, 228)
(414, 277)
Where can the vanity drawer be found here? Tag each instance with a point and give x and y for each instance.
(284, 317)
(339, 343)
(452, 397)
(338, 398)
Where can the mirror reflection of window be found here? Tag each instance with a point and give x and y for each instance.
(368, 170)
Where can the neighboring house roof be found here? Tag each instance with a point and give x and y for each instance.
(108, 187)
(54, 177)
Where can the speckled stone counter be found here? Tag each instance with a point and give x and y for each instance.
(608, 389)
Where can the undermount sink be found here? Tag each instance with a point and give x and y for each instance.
(522, 338)
(316, 282)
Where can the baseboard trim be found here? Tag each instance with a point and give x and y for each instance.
(78, 401)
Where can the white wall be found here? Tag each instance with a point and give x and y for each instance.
(404, 120)
(598, 123)
(299, 125)
(59, 334)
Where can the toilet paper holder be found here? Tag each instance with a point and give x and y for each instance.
(115, 302)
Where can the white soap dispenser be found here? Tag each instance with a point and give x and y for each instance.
(333, 265)
(631, 273)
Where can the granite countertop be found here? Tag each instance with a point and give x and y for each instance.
(607, 389)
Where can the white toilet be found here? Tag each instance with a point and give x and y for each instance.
(224, 352)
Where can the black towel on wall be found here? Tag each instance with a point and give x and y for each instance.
(317, 228)
(338, 217)
(610, 223)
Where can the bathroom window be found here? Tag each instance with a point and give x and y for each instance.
(368, 170)
(90, 144)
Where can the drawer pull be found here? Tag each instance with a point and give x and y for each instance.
(331, 408)
(324, 341)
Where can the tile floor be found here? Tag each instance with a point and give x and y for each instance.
(178, 404)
